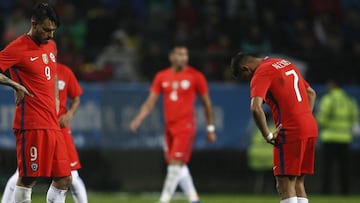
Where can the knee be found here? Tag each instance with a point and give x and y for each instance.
(26, 181)
(62, 182)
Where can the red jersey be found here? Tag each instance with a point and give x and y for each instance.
(68, 86)
(179, 90)
(33, 66)
(283, 88)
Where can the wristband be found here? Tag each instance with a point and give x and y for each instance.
(269, 137)
(210, 128)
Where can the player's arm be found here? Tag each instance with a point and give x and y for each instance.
(205, 99)
(258, 113)
(66, 118)
(311, 97)
(20, 91)
(145, 110)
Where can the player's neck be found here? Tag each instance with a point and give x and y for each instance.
(177, 69)
(31, 35)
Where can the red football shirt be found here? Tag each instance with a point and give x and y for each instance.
(179, 90)
(283, 88)
(33, 66)
(68, 86)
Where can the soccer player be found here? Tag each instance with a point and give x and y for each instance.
(179, 84)
(278, 83)
(68, 87)
(40, 145)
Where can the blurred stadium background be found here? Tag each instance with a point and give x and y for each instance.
(116, 46)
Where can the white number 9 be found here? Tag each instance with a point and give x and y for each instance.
(47, 73)
(33, 153)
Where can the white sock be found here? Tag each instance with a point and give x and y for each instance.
(172, 179)
(289, 200)
(302, 200)
(22, 194)
(9, 192)
(77, 188)
(187, 185)
(55, 195)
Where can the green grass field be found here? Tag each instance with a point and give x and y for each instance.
(209, 198)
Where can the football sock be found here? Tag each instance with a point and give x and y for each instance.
(172, 179)
(9, 191)
(55, 195)
(78, 190)
(289, 200)
(187, 185)
(302, 200)
(22, 194)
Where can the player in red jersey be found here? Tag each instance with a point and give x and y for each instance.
(41, 150)
(68, 87)
(279, 83)
(179, 84)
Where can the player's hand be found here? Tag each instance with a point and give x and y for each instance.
(134, 125)
(275, 135)
(65, 120)
(20, 92)
(211, 137)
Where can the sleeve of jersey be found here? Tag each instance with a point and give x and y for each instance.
(259, 85)
(8, 58)
(201, 85)
(156, 85)
(74, 88)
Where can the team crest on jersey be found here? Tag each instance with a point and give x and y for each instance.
(34, 167)
(175, 85)
(185, 84)
(45, 58)
(61, 84)
(165, 84)
(52, 57)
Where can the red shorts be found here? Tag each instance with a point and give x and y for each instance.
(295, 158)
(72, 152)
(42, 153)
(179, 144)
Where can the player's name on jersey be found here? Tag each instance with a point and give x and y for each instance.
(281, 64)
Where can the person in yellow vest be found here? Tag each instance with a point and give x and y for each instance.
(260, 156)
(336, 116)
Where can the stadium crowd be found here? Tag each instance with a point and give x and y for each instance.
(128, 40)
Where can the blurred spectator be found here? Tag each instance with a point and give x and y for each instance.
(16, 24)
(73, 24)
(120, 57)
(337, 114)
(255, 42)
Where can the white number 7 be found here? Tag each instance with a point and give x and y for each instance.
(296, 83)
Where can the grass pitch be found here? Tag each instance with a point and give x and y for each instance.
(206, 198)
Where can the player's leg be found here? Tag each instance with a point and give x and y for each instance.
(287, 167)
(27, 152)
(8, 195)
(286, 188)
(187, 185)
(23, 189)
(307, 167)
(60, 169)
(78, 189)
(172, 179)
(300, 189)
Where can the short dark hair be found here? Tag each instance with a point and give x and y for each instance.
(42, 11)
(236, 61)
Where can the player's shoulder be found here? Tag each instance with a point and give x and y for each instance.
(19, 44)
(52, 44)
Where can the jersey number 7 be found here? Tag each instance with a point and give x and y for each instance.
(296, 83)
